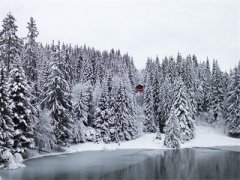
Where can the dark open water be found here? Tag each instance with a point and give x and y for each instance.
(192, 164)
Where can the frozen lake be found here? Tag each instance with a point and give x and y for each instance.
(195, 163)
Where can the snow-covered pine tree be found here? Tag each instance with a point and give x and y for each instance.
(45, 138)
(172, 136)
(56, 97)
(67, 65)
(100, 71)
(81, 109)
(164, 66)
(156, 96)
(111, 104)
(131, 72)
(96, 93)
(78, 67)
(171, 69)
(166, 96)
(90, 104)
(148, 70)
(226, 81)
(190, 83)
(44, 67)
(21, 109)
(31, 51)
(183, 112)
(217, 92)
(200, 91)
(104, 112)
(31, 60)
(94, 56)
(233, 104)
(31, 64)
(124, 120)
(149, 125)
(204, 90)
(87, 68)
(6, 122)
(195, 61)
(179, 65)
(10, 44)
(102, 122)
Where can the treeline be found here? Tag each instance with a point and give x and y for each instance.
(178, 90)
(57, 94)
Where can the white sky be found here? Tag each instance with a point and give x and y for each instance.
(142, 28)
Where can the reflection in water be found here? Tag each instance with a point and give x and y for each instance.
(191, 164)
(184, 164)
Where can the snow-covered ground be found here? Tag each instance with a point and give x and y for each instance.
(208, 137)
(205, 137)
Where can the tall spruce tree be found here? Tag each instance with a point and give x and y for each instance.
(6, 122)
(149, 125)
(10, 44)
(156, 97)
(21, 110)
(56, 97)
(125, 122)
(179, 65)
(166, 96)
(67, 65)
(31, 57)
(183, 112)
(45, 138)
(172, 136)
(217, 92)
(81, 109)
(233, 104)
(204, 90)
(104, 122)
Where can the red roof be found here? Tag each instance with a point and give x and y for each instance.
(139, 88)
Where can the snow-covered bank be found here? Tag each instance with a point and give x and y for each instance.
(205, 137)
(208, 137)
(14, 161)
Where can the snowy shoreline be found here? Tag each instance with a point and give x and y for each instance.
(205, 137)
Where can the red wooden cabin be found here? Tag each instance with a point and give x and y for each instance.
(139, 88)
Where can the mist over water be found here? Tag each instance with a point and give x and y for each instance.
(197, 163)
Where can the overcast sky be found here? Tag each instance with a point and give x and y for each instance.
(143, 28)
